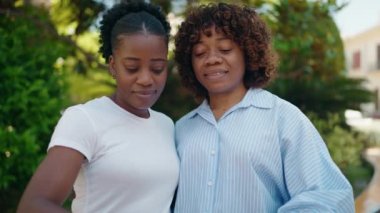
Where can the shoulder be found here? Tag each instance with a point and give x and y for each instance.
(97, 104)
(186, 118)
(75, 112)
(87, 106)
(98, 110)
(262, 98)
(286, 110)
(288, 117)
(75, 116)
(82, 115)
(76, 130)
(292, 122)
(161, 117)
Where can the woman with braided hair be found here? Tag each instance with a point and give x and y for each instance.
(116, 152)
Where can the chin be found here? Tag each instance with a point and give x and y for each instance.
(145, 106)
(217, 90)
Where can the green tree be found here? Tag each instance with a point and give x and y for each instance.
(32, 96)
(75, 24)
(311, 71)
(39, 46)
(311, 75)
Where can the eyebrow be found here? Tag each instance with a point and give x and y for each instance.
(131, 58)
(137, 59)
(158, 59)
(219, 39)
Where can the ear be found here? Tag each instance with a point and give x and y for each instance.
(111, 66)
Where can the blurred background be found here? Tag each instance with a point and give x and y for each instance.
(329, 66)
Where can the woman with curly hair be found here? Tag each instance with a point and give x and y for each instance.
(244, 149)
(116, 152)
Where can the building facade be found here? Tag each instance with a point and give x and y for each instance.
(362, 53)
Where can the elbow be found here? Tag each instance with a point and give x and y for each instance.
(38, 205)
(25, 205)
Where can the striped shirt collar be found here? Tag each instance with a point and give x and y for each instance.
(255, 97)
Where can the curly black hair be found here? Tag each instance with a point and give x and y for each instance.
(239, 23)
(129, 18)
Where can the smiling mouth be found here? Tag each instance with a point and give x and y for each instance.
(145, 92)
(215, 75)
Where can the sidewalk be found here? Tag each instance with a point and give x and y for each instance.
(357, 121)
(369, 199)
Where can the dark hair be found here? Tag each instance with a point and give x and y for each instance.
(241, 24)
(130, 18)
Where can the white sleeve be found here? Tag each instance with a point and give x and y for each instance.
(75, 130)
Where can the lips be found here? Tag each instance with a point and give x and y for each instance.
(215, 74)
(145, 93)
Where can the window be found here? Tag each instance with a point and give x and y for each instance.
(378, 57)
(356, 60)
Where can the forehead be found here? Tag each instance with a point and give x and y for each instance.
(212, 34)
(130, 39)
(211, 31)
(147, 45)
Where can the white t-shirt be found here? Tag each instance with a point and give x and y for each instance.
(131, 162)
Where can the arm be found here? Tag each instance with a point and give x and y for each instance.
(314, 182)
(52, 181)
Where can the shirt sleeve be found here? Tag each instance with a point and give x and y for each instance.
(314, 182)
(75, 130)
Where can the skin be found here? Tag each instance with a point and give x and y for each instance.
(139, 65)
(52, 182)
(218, 64)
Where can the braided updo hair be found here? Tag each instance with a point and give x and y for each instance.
(131, 18)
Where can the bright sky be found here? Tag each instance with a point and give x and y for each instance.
(357, 16)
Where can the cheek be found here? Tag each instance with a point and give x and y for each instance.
(196, 68)
(161, 79)
(238, 62)
(197, 73)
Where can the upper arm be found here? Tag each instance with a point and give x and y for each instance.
(312, 178)
(53, 179)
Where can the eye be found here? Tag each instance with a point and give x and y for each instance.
(199, 50)
(157, 67)
(158, 70)
(225, 50)
(199, 54)
(132, 69)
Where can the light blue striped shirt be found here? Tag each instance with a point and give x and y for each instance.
(263, 155)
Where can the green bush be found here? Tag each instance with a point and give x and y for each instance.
(346, 147)
(32, 94)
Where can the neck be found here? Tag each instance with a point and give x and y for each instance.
(220, 103)
(143, 113)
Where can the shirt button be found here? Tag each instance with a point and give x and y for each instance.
(213, 152)
(209, 183)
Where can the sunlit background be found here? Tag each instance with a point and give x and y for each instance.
(329, 66)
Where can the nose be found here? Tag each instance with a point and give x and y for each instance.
(145, 78)
(213, 58)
